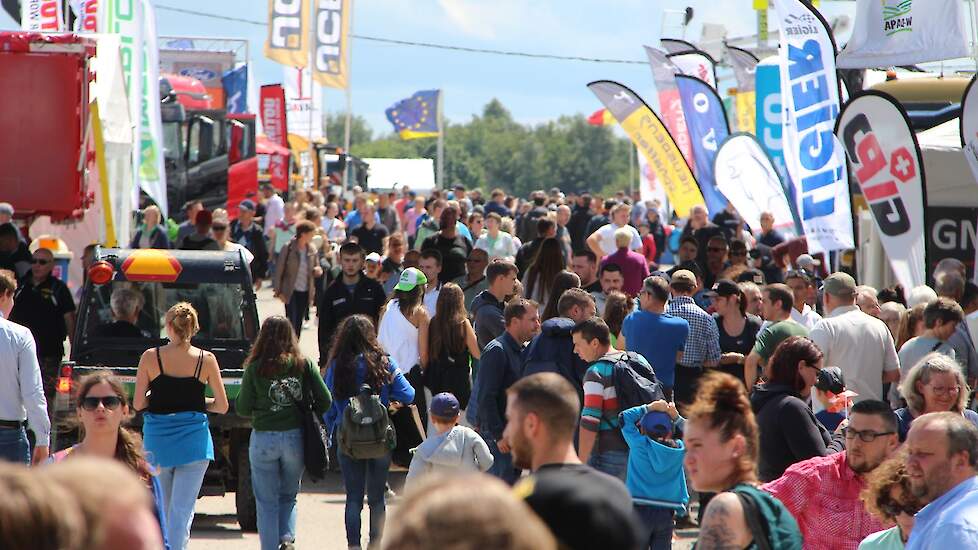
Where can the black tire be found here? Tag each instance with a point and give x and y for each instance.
(244, 497)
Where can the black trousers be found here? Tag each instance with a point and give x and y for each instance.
(296, 310)
(687, 381)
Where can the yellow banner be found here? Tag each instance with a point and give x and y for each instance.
(760, 4)
(654, 141)
(288, 32)
(746, 111)
(329, 54)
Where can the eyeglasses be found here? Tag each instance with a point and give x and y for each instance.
(219, 227)
(893, 509)
(941, 390)
(110, 402)
(36, 261)
(868, 436)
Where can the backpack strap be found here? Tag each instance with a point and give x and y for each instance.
(752, 516)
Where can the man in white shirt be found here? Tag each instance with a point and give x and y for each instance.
(602, 241)
(430, 265)
(21, 391)
(802, 288)
(859, 344)
(274, 208)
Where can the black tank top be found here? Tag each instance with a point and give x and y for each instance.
(173, 394)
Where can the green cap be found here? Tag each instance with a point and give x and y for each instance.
(840, 284)
(411, 278)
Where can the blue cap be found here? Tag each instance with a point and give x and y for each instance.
(445, 405)
(247, 204)
(657, 424)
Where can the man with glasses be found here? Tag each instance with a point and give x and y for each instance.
(659, 337)
(823, 493)
(21, 391)
(716, 260)
(802, 287)
(474, 281)
(44, 305)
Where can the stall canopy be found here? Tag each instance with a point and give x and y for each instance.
(266, 148)
(949, 180)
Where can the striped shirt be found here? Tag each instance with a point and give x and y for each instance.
(703, 342)
(600, 412)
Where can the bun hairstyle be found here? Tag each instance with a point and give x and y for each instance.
(721, 402)
(182, 318)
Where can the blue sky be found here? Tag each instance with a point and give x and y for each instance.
(534, 90)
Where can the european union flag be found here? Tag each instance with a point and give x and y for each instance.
(416, 116)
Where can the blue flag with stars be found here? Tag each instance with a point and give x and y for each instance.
(416, 116)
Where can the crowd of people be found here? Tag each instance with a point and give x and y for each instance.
(545, 342)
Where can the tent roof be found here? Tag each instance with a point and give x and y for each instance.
(949, 180)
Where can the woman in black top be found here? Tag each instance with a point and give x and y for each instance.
(451, 346)
(789, 430)
(738, 329)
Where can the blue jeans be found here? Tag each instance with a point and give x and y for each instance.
(359, 477)
(14, 446)
(276, 472)
(502, 463)
(613, 463)
(656, 526)
(296, 310)
(181, 485)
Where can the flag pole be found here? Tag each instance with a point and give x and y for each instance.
(349, 104)
(631, 169)
(441, 142)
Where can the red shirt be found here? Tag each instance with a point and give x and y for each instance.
(822, 493)
(648, 249)
(634, 269)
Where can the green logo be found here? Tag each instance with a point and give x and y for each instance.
(897, 17)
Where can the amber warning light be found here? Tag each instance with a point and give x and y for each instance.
(101, 272)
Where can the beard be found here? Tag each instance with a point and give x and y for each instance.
(862, 464)
(522, 452)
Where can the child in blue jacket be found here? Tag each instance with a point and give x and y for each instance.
(655, 475)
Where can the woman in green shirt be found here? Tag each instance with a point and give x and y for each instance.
(274, 378)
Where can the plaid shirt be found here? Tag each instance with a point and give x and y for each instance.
(822, 493)
(703, 342)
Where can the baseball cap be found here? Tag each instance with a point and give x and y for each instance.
(6, 208)
(830, 379)
(444, 405)
(411, 278)
(247, 204)
(373, 257)
(805, 261)
(752, 275)
(684, 276)
(662, 274)
(657, 424)
(726, 287)
(840, 284)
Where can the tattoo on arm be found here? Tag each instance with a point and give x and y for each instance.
(716, 534)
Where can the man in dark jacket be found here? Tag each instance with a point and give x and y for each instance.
(349, 294)
(580, 217)
(250, 235)
(487, 306)
(553, 349)
(529, 222)
(499, 368)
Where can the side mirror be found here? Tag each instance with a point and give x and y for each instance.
(206, 145)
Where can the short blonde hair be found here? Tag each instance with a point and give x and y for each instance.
(465, 512)
(623, 237)
(182, 317)
(931, 364)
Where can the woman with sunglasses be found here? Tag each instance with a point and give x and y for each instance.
(102, 409)
(888, 497)
(790, 432)
(935, 384)
(170, 387)
(221, 230)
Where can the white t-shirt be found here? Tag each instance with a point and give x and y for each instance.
(606, 238)
(274, 213)
(431, 300)
(503, 246)
(807, 318)
(860, 345)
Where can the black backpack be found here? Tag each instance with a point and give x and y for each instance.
(635, 381)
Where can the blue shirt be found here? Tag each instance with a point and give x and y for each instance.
(658, 337)
(354, 220)
(399, 389)
(655, 471)
(951, 521)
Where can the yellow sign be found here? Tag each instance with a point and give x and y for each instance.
(330, 48)
(151, 264)
(746, 111)
(288, 32)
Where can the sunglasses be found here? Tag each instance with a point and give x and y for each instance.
(40, 262)
(219, 227)
(110, 402)
(893, 509)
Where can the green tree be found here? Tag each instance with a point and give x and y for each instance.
(360, 131)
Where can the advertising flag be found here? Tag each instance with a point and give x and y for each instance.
(649, 185)
(288, 32)
(969, 126)
(886, 162)
(707, 122)
(769, 113)
(810, 98)
(329, 53)
(670, 106)
(303, 103)
(696, 63)
(601, 117)
(235, 84)
(41, 16)
(905, 32)
(747, 177)
(275, 124)
(417, 116)
(744, 66)
(152, 172)
(86, 15)
(653, 140)
(675, 45)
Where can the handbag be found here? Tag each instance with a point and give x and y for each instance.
(315, 440)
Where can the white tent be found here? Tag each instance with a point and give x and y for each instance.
(949, 180)
(385, 174)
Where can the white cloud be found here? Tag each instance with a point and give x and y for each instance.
(474, 18)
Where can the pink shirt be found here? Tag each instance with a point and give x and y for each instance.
(634, 269)
(822, 493)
